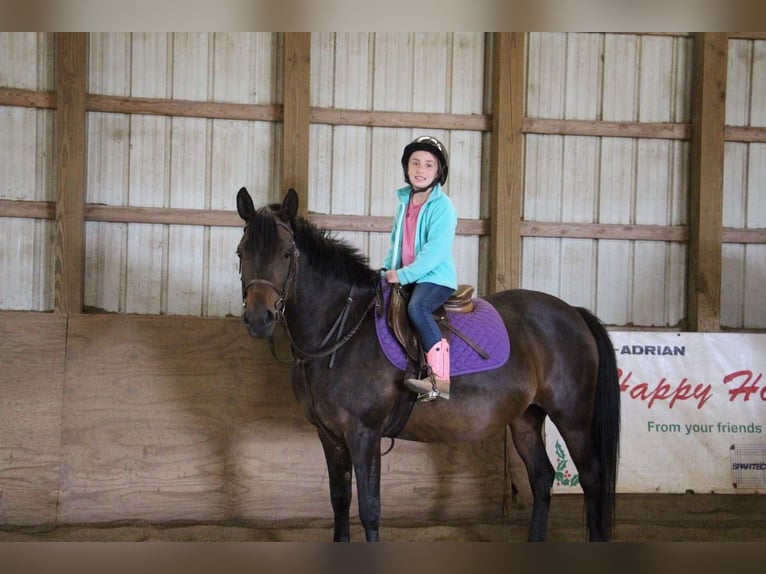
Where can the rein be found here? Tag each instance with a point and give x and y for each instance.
(337, 329)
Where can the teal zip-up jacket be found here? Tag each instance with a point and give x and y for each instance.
(434, 236)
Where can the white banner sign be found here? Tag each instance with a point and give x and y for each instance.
(693, 414)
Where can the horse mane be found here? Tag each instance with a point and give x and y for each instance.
(331, 255)
(326, 253)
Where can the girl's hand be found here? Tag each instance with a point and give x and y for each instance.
(391, 276)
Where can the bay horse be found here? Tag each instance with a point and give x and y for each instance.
(562, 365)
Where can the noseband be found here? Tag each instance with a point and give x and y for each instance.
(279, 306)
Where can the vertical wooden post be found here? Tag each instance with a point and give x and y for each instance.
(706, 182)
(69, 145)
(297, 115)
(506, 193)
(506, 161)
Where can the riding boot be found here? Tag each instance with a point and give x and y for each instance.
(437, 383)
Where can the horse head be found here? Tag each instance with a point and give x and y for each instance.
(268, 260)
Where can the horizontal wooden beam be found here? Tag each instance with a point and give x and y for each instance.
(184, 108)
(344, 117)
(369, 223)
(382, 224)
(745, 134)
(604, 231)
(27, 209)
(594, 128)
(746, 236)
(336, 116)
(27, 98)
(161, 215)
(747, 35)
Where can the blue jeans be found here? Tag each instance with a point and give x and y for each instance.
(425, 299)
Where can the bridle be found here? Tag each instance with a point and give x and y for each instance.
(279, 306)
(279, 309)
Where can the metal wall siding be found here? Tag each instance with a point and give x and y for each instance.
(743, 288)
(154, 161)
(26, 153)
(355, 170)
(573, 179)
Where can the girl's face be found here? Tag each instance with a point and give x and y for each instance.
(422, 168)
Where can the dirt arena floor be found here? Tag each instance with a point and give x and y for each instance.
(640, 518)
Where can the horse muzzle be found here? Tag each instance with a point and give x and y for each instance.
(259, 323)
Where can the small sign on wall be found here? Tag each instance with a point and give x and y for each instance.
(748, 465)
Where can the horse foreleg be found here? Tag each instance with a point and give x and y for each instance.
(527, 436)
(365, 453)
(339, 469)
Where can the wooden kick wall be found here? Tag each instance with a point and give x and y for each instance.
(163, 419)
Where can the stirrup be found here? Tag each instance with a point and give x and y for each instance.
(429, 396)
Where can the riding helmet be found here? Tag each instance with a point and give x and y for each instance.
(430, 144)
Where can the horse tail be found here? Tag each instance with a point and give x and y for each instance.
(605, 425)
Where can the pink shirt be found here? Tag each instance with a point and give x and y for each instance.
(408, 236)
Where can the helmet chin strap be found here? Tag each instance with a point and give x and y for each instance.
(422, 189)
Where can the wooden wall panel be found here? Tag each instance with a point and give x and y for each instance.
(168, 419)
(32, 347)
(178, 419)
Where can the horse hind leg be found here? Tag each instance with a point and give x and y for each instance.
(588, 468)
(527, 436)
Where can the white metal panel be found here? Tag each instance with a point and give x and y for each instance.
(610, 180)
(109, 63)
(743, 287)
(352, 89)
(26, 173)
(393, 71)
(244, 67)
(755, 258)
(578, 204)
(614, 265)
(758, 97)
(186, 243)
(26, 60)
(321, 136)
(583, 76)
(755, 255)
(154, 161)
(107, 183)
(467, 81)
(243, 156)
(355, 170)
(546, 75)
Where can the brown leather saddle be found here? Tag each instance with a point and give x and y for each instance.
(461, 301)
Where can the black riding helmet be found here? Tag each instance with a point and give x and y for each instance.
(430, 144)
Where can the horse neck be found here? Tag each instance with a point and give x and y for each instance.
(318, 301)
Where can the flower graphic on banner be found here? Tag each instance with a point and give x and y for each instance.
(564, 476)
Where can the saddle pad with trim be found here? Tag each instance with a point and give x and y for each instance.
(483, 326)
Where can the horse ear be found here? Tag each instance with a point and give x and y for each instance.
(245, 206)
(289, 207)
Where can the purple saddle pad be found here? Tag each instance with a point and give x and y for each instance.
(483, 326)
